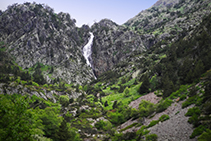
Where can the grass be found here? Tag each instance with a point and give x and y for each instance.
(120, 96)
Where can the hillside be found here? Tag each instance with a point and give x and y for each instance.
(34, 33)
(153, 75)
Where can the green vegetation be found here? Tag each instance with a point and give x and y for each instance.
(163, 105)
(161, 119)
(176, 69)
(129, 126)
(151, 137)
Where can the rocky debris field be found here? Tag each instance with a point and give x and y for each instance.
(151, 97)
(176, 128)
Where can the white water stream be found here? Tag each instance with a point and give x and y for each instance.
(87, 51)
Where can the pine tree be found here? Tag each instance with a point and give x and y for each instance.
(63, 134)
(168, 87)
(145, 85)
(199, 69)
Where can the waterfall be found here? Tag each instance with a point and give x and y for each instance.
(87, 51)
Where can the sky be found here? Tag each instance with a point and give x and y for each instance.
(90, 11)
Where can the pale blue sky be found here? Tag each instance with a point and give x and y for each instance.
(88, 11)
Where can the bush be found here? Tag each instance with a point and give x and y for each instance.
(189, 101)
(35, 84)
(163, 105)
(152, 137)
(152, 123)
(164, 118)
(64, 100)
(126, 92)
(146, 108)
(129, 126)
(100, 124)
(197, 131)
(194, 120)
(183, 97)
(134, 113)
(115, 118)
(206, 136)
(90, 98)
(192, 111)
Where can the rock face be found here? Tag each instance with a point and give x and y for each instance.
(169, 18)
(34, 33)
(166, 19)
(112, 44)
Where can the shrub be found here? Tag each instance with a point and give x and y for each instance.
(134, 113)
(115, 118)
(193, 91)
(197, 131)
(152, 137)
(126, 92)
(189, 101)
(192, 111)
(100, 124)
(64, 100)
(152, 123)
(90, 98)
(163, 105)
(194, 120)
(205, 136)
(182, 90)
(164, 118)
(35, 84)
(129, 126)
(146, 108)
(183, 97)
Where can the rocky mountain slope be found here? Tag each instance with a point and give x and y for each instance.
(170, 20)
(153, 83)
(34, 33)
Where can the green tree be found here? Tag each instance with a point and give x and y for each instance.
(63, 134)
(64, 100)
(206, 136)
(50, 120)
(168, 87)
(145, 85)
(199, 69)
(17, 121)
(153, 82)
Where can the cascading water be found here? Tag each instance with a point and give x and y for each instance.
(87, 51)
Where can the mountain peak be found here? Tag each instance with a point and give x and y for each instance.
(165, 3)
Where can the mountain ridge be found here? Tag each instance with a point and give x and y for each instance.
(152, 74)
